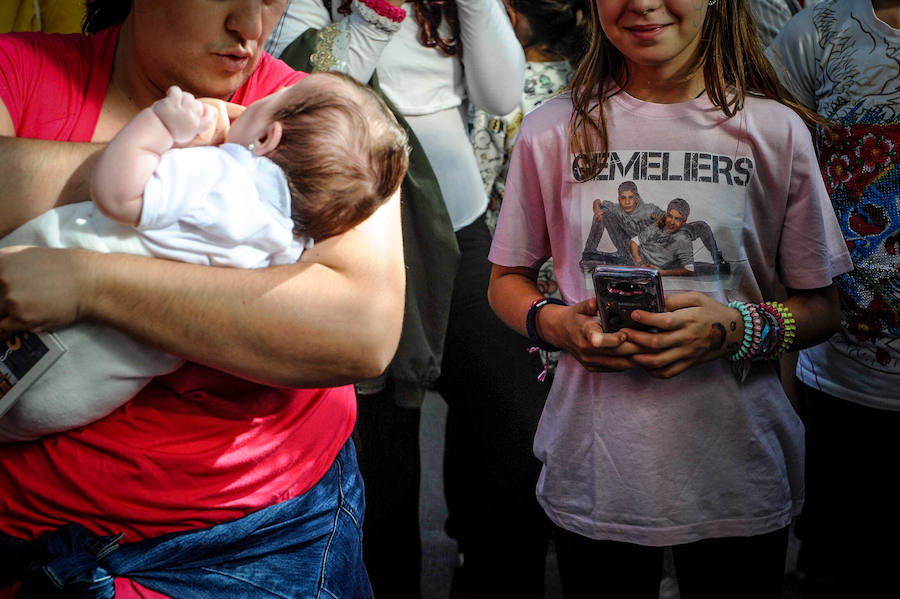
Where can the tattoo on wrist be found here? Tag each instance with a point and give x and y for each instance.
(733, 325)
(716, 336)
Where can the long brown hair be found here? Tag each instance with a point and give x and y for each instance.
(730, 56)
(429, 14)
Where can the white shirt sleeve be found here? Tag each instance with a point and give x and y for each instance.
(493, 58)
(357, 54)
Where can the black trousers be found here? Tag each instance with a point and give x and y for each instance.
(494, 402)
(850, 522)
(732, 568)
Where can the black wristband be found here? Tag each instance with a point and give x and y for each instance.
(530, 327)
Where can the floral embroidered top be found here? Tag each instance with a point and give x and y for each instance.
(835, 55)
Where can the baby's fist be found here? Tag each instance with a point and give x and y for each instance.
(183, 115)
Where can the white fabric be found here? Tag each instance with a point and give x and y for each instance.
(429, 89)
(220, 206)
(661, 462)
(837, 56)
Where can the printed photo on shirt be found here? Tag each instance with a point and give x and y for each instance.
(680, 212)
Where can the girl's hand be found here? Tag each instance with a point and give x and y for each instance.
(576, 330)
(695, 329)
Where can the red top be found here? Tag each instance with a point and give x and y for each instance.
(194, 448)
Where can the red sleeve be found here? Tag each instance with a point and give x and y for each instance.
(53, 85)
(270, 76)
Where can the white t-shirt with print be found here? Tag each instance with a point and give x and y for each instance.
(842, 62)
(628, 457)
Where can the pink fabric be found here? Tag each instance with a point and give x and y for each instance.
(53, 85)
(386, 9)
(193, 448)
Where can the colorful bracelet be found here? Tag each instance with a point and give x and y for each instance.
(757, 332)
(530, 322)
(780, 326)
(790, 327)
(381, 14)
(741, 353)
(769, 340)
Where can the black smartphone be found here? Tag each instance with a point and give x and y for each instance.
(622, 289)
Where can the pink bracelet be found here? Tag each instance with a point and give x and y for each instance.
(386, 9)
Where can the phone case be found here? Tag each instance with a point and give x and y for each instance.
(622, 289)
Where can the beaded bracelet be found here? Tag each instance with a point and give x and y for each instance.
(748, 330)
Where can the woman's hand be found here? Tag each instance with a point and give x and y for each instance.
(694, 329)
(42, 289)
(576, 330)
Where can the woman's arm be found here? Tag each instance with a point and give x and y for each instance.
(331, 319)
(697, 328)
(573, 329)
(39, 175)
(493, 57)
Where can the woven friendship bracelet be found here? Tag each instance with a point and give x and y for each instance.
(531, 324)
(742, 307)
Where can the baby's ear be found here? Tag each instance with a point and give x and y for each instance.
(268, 139)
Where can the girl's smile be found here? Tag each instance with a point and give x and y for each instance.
(658, 39)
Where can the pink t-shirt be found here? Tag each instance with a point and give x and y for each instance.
(635, 459)
(194, 448)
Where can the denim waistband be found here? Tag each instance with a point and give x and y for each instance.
(72, 561)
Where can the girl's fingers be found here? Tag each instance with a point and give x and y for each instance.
(677, 301)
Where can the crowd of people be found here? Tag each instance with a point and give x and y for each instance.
(262, 231)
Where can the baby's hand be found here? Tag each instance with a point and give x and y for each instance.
(225, 112)
(184, 116)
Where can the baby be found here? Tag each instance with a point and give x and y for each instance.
(301, 165)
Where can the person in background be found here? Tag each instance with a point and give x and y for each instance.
(233, 476)
(430, 60)
(771, 16)
(836, 56)
(553, 34)
(682, 437)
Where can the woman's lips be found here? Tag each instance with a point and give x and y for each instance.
(233, 63)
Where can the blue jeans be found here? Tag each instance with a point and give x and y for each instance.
(307, 547)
